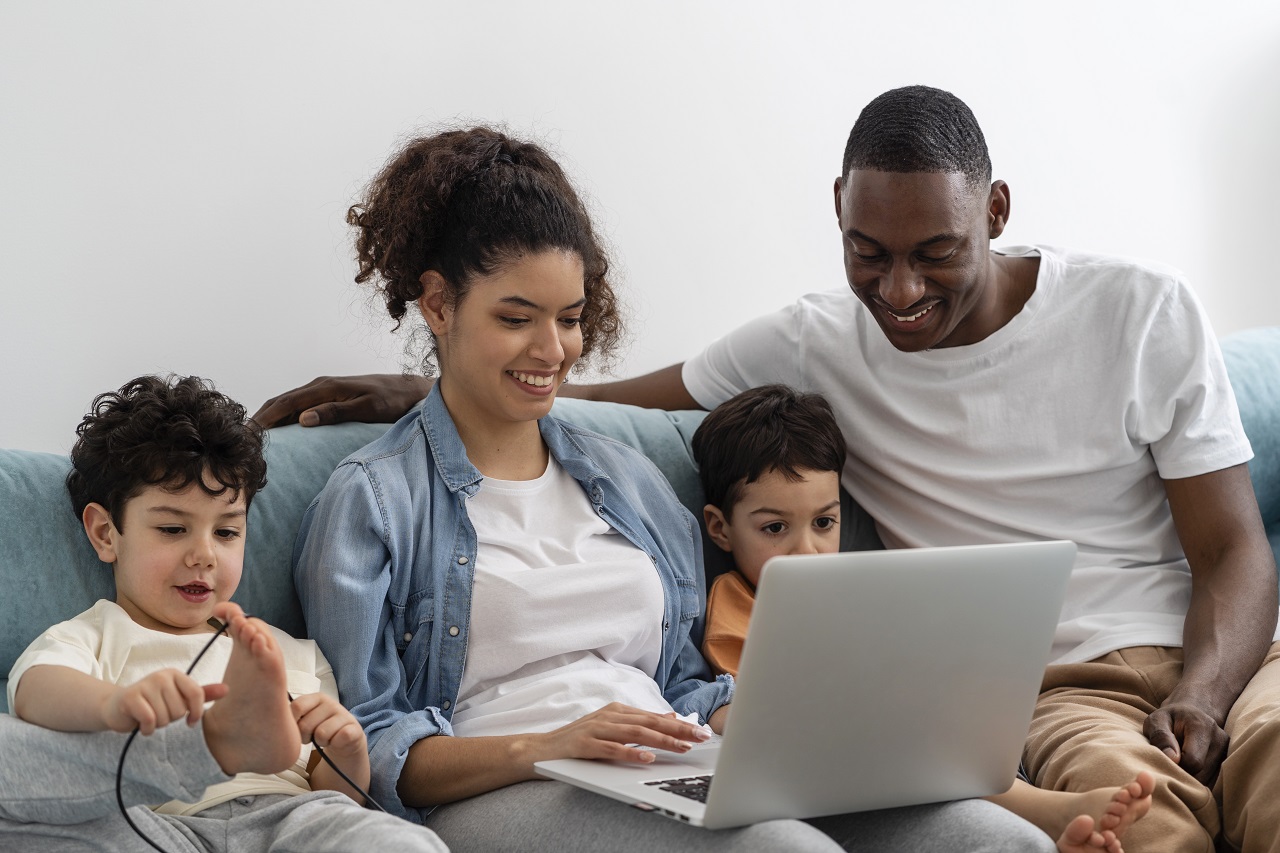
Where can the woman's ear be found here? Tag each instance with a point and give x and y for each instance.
(715, 521)
(101, 531)
(432, 302)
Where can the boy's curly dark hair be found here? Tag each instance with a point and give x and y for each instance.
(468, 202)
(165, 432)
(769, 428)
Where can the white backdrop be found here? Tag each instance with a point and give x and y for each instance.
(174, 175)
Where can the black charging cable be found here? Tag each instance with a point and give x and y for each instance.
(124, 812)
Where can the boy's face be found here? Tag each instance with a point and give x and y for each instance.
(775, 515)
(178, 555)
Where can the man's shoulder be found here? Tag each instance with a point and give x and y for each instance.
(1077, 263)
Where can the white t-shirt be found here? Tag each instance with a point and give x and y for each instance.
(1060, 425)
(105, 643)
(566, 614)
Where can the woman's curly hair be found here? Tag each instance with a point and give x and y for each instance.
(164, 432)
(468, 202)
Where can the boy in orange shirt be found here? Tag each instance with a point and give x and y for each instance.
(770, 461)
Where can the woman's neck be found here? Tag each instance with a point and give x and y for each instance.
(503, 451)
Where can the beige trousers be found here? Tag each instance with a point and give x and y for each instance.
(1087, 733)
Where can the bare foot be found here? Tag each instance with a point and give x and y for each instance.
(1128, 804)
(251, 729)
(1080, 837)
(1117, 812)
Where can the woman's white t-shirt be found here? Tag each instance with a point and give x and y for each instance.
(566, 614)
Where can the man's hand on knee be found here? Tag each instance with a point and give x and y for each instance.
(1190, 736)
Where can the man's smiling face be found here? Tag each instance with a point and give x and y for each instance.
(916, 253)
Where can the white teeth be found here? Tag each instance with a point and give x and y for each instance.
(536, 381)
(913, 317)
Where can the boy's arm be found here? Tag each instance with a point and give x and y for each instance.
(67, 700)
(322, 719)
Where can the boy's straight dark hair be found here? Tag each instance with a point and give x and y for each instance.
(770, 428)
(165, 432)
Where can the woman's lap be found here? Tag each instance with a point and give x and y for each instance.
(557, 816)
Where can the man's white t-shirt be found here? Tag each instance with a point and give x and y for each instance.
(106, 643)
(1060, 425)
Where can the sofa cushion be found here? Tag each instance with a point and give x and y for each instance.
(1253, 362)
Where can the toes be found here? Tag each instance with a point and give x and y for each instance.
(1079, 830)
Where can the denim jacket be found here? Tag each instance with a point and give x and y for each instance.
(383, 567)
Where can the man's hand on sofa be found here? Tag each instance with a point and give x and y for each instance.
(372, 398)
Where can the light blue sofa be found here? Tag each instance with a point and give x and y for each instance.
(49, 573)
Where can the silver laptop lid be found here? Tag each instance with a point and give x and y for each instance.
(914, 671)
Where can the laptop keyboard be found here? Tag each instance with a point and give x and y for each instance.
(693, 787)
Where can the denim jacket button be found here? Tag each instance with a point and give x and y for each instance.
(444, 706)
(462, 561)
(453, 630)
(408, 636)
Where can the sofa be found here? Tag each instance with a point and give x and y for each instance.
(49, 573)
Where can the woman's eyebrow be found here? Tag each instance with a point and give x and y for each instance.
(522, 302)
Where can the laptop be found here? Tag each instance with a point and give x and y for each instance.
(869, 680)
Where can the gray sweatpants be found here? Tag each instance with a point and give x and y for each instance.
(553, 816)
(57, 795)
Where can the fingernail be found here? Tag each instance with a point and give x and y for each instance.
(701, 735)
(647, 757)
(309, 419)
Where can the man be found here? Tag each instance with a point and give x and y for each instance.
(1034, 393)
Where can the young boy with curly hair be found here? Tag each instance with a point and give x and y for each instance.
(770, 460)
(163, 475)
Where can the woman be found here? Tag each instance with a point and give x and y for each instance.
(496, 587)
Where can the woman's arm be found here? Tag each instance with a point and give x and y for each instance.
(343, 573)
(443, 769)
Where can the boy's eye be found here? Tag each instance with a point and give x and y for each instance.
(228, 533)
(775, 528)
(824, 522)
(170, 530)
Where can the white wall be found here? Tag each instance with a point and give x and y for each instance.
(173, 176)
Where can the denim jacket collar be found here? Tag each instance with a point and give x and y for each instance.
(460, 475)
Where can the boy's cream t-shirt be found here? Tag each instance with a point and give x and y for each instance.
(105, 643)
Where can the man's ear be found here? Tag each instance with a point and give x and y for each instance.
(838, 187)
(432, 303)
(101, 531)
(716, 526)
(997, 209)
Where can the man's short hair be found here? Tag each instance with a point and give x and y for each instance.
(166, 432)
(919, 129)
(770, 428)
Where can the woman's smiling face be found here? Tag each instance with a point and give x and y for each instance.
(507, 345)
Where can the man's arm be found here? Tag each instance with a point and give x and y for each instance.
(1231, 618)
(385, 397)
(661, 389)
